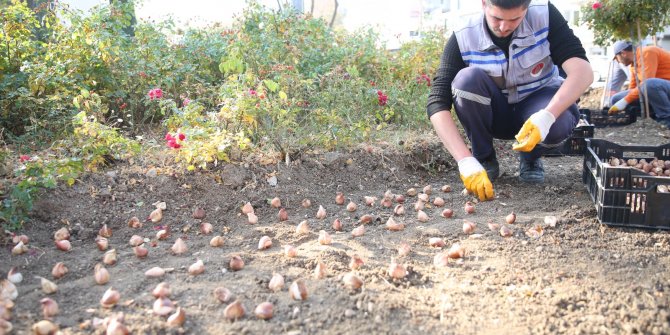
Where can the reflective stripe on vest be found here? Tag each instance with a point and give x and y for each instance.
(530, 67)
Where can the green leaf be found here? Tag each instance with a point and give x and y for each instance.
(282, 95)
(271, 85)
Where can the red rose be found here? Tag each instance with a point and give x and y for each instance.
(596, 5)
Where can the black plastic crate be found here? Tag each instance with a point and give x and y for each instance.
(626, 196)
(600, 118)
(575, 145)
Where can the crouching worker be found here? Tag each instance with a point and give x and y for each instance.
(656, 77)
(500, 72)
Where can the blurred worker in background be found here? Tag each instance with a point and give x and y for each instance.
(654, 80)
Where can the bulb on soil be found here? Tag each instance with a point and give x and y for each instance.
(298, 290)
(306, 203)
(367, 218)
(136, 240)
(438, 202)
(63, 245)
(428, 189)
(62, 234)
(264, 310)
(155, 272)
(320, 271)
(302, 228)
(423, 197)
(411, 192)
(339, 198)
(275, 202)
(321, 213)
(404, 249)
(276, 282)
(161, 290)
(206, 228)
(337, 225)
(399, 198)
(351, 281)
(196, 268)
(216, 241)
(510, 218)
(419, 205)
(8, 290)
(48, 286)
(44, 327)
(109, 258)
(236, 263)
(447, 213)
(370, 201)
(199, 213)
(116, 327)
(392, 225)
(234, 311)
(21, 248)
(436, 242)
(177, 319)
(290, 251)
(399, 210)
(59, 270)
(100, 274)
(134, 222)
(469, 207)
(456, 251)
(252, 218)
(386, 203)
(156, 215)
(222, 294)
(355, 262)
(396, 271)
(282, 215)
(140, 251)
(163, 306)
(247, 208)
(325, 238)
(493, 226)
(110, 298)
(49, 308)
(358, 231)
(14, 276)
(506, 231)
(446, 188)
(351, 206)
(179, 247)
(105, 231)
(102, 243)
(264, 243)
(422, 216)
(469, 227)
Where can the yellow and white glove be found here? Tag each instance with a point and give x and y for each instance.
(534, 131)
(618, 106)
(475, 178)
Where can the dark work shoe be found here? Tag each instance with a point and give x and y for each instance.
(531, 171)
(492, 167)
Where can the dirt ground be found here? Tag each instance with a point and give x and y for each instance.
(578, 277)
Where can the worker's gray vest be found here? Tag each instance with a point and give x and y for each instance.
(531, 67)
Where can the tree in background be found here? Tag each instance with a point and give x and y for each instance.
(130, 28)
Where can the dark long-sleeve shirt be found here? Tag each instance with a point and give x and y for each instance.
(563, 45)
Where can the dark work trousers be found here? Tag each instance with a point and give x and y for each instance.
(485, 114)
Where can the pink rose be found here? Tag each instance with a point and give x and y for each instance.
(596, 5)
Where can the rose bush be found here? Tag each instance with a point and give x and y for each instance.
(612, 20)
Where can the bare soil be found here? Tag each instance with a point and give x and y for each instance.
(578, 277)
